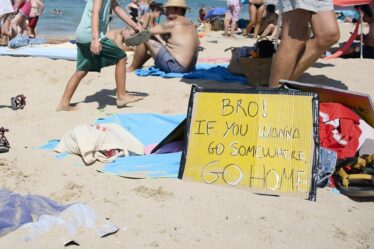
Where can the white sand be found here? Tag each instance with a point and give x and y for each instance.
(165, 213)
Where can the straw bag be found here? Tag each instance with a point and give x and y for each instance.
(253, 62)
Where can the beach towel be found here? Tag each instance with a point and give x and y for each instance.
(149, 129)
(103, 142)
(148, 166)
(339, 129)
(16, 210)
(50, 51)
(217, 72)
(31, 217)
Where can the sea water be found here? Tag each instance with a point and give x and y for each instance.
(64, 25)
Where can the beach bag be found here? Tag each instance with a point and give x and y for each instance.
(253, 62)
(354, 176)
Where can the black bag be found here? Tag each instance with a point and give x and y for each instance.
(264, 47)
(354, 177)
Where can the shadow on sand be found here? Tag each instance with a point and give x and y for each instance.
(106, 97)
(322, 80)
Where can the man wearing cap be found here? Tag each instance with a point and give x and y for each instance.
(174, 44)
(297, 51)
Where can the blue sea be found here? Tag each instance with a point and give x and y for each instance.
(64, 25)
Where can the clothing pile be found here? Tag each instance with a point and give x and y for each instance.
(343, 132)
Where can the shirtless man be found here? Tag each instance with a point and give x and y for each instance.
(175, 43)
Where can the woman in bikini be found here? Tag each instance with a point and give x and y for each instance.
(256, 11)
(133, 10)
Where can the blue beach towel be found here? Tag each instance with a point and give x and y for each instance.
(148, 166)
(149, 129)
(217, 72)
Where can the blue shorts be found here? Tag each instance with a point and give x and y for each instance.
(167, 63)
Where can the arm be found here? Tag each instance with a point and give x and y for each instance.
(124, 17)
(95, 43)
(146, 20)
(163, 28)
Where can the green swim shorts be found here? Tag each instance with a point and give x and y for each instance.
(89, 62)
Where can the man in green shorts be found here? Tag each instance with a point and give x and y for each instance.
(96, 51)
(297, 51)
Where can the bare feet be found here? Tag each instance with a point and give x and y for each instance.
(127, 99)
(130, 69)
(66, 108)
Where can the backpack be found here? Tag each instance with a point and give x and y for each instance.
(354, 176)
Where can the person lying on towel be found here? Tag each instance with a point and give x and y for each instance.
(174, 43)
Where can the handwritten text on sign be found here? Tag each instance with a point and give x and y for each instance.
(262, 141)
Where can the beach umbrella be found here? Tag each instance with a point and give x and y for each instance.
(350, 2)
(216, 12)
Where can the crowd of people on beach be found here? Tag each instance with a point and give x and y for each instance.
(21, 21)
(174, 44)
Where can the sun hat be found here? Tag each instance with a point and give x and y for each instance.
(176, 3)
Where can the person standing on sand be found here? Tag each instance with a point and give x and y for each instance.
(231, 17)
(256, 9)
(174, 43)
(297, 51)
(37, 8)
(96, 51)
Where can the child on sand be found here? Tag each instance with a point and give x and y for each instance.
(96, 51)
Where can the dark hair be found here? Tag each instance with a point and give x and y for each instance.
(270, 8)
(155, 6)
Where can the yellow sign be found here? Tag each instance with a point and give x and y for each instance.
(264, 142)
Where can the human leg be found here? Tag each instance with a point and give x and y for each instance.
(252, 20)
(268, 30)
(294, 37)
(326, 33)
(140, 57)
(120, 75)
(259, 14)
(227, 24)
(72, 85)
(14, 23)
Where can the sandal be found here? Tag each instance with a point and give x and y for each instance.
(138, 38)
(18, 102)
(4, 144)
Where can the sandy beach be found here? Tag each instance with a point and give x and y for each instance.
(165, 213)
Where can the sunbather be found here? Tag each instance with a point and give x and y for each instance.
(118, 37)
(175, 44)
(269, 22)
(150, 19)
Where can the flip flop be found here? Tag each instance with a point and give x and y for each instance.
(138, 38)
(18, 102)
(4, 144)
